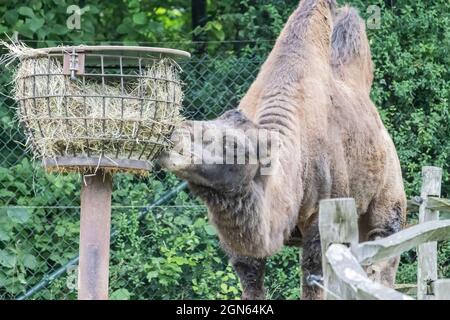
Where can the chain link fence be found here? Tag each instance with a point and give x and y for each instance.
(160, 251)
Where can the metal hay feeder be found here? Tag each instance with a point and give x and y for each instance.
(97, 110)
(99, 106)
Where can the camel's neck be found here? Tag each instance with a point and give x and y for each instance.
(245, 220)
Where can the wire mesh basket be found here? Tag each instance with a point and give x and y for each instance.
(98, 106)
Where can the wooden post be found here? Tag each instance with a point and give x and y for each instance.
(427, 252)
(95, 228)
(338, 223)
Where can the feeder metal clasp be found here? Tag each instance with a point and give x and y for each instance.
(73, 64)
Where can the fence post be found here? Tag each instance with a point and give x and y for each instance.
(441, 289)
(337, 224)
(427, 252)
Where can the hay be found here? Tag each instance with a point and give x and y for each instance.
(94, 118)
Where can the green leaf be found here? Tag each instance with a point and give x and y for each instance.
(199, 222)
(21, 278)
(120, 294)
(6, 194)
(7, 259)
(22, 187)
(25, 31)
(60, 29)
(210, 230)
(37, 5)
(123, 28)
(140, 18)
(3, 279)
(133, 3)
(152, 275)
(60, 230)
(4, 235)
(26, 11)
(29, 261)
(92, 9)
(217, 25)
(182, 220)
(11, 17)
(220, 35)
(224, 287)
(18, 215)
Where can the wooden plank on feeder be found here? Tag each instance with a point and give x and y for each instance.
(95, 226)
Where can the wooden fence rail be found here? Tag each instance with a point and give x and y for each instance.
(373, 251)
(343, 257)
(433, 203)
(350, 276)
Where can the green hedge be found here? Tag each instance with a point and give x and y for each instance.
(174, 252)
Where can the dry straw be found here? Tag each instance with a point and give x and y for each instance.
(118, 118)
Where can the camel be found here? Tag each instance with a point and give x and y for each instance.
(313, 91)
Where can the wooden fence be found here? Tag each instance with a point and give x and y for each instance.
(343, 257)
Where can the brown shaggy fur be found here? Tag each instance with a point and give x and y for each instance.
(314, 89)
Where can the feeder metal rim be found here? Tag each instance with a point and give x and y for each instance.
(70, 95)
(119, 49)
(137, 76)
(108, 138)
(60, 118)
(94, 162)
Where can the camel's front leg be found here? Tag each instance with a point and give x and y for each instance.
(251, 274)
(311, 262)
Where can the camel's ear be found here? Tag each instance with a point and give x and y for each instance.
(236, 119)
(234, 115)
(350, 56)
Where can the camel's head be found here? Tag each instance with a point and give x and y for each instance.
(224, 154)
